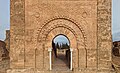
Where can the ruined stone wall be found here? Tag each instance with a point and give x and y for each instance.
(7, 40)
(4, 58)
(4, 65)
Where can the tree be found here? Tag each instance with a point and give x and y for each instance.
(57, 46)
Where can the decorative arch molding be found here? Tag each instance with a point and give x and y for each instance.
(63, 26)
(66, 28)
(62, 18)
(74, 29)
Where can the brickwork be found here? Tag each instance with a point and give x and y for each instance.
(86, 23)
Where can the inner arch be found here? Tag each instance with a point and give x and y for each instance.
(61, 52)
(73, 32)
(61, 39)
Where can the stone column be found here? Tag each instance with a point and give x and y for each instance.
(50, 58)
(71, 59)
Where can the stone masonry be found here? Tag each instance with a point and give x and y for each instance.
(4, 57)
(86, 23)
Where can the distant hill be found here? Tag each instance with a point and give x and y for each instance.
(116, 36)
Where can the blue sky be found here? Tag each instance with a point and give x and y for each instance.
(5, 17)
(61, 39)
(116, 16)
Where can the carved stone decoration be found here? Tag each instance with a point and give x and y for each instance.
(34, 24)
(60, 26)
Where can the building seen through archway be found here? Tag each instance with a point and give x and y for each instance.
(60, 52)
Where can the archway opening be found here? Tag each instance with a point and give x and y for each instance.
(61, 52)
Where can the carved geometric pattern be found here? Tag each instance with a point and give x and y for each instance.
(45, 26)
(67, 25)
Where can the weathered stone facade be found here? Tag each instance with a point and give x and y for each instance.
(34, 23)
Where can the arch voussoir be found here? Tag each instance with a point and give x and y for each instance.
(71, 30)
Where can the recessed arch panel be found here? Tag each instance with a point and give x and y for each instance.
(73, 32)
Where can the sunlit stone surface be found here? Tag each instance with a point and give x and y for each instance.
(86, 23)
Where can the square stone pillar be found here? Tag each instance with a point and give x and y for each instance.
(104, 35)
(17, 33)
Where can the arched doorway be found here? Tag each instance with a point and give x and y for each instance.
(61, 53)
(68, 28)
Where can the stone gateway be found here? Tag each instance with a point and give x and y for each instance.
(35, 23)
